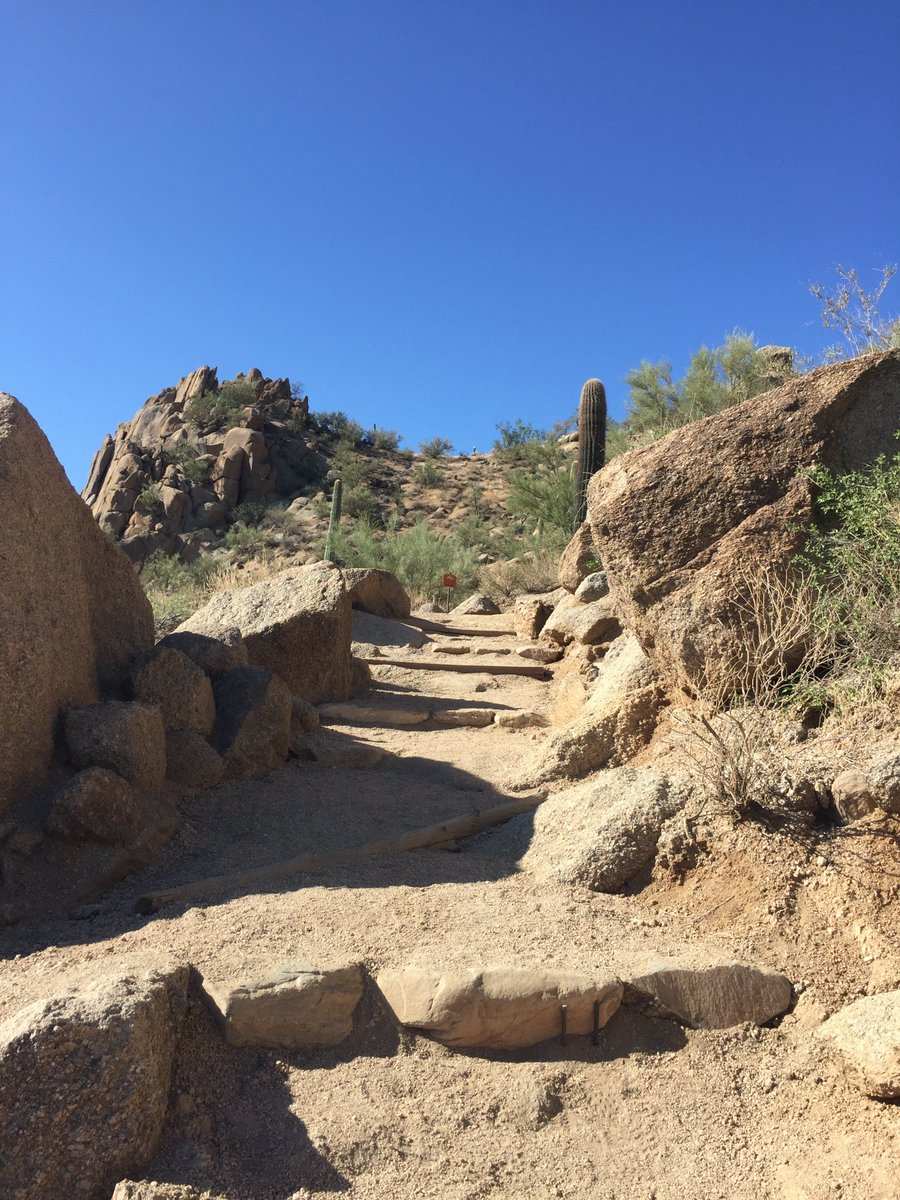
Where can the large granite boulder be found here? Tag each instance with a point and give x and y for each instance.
(683, 525)
(376, 592)
(72, 611)
(296, 624)
(84, 1085)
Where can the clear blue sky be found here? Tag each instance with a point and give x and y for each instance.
(438, 214)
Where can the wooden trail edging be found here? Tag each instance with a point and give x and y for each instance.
(463, 668)
(452, 630)
(416, 839)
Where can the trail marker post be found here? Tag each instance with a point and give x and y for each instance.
(449, 584)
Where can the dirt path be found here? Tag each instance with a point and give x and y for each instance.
(654, 1111)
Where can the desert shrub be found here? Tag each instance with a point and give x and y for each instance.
(385, 439)
(220, 408)
(337, 427)
(436, 447)
(358, 501)
(150, 500)
(853, 311)
(417, 556)
(542, 492)
(185, 456)
(251, 512)
(427, 475)
(176, 589)
(514, 436)
(533, 570)
(350, 466)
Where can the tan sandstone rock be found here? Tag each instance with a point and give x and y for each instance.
(72, 611)
(84, 1085)
(296, 624)
(587, 624)
(497, 1007)
(579, 559)
(686, 525)
(376, 592)
(867, 1034)
(296, 1007)
(714, 995)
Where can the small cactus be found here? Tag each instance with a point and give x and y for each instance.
(591, 442)
(335, 519)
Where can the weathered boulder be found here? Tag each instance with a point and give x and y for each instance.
(304, 716)
(167, 677)
(684, 526)
(191, 761)
(853, 795)
(253, 720)
(376, 592)
(497, 1007)
(618, 718)
(295, 1007)
(370, 630)
(599, 834)
(593, 587)
(98, 805)
(296, 624)
(867, 1034)
(72, 613)
(579, 559)
(478, 605)
(126, 737)
(588, 624)
(215, 652)
(714, 995)
(540, 654)
(84, 1085)
(530, 612)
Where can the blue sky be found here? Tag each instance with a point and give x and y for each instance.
(438, 215)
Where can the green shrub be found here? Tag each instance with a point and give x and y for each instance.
(385, 439)
(436, 448)
(150, 500)
(426, 475)
(176, 589)
(185, 457)
(220, 408)
(337, 427)
(542, 491)
(358, 501)
(514, 436)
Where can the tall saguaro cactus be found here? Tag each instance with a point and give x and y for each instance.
(591, 441)
(335, 521)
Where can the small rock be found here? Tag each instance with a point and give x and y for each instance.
(98, 805)
(304, 716)
(715, 995)
(867, 1034)
(296, 1007)
(852, 794)
(593, 587)
(478, 605)
(475, 718)
(524, 719)
(541, 654)
(451, 648)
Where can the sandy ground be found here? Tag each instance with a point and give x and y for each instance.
(655, 1111)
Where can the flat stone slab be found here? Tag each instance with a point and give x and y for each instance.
(541, 654)
(474, 718)
(379, 631)
(715, 995)
(452, 648)
(867, 1035)
(524, 719)
(498, 1007)
(296, 1007)
(360, 714)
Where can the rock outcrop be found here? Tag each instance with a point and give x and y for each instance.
(172, 475)
(72, 613)
(296, 624)
(683, 525)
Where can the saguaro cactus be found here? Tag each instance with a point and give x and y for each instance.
(591, 441)
(334, 520)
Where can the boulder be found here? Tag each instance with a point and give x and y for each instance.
(304, 716)
(215, 652)
(587, 624)
(579, 559)
(618, 718)
(376, 592)
(530, 612)
(593, 587)
(599, 834)
(294, 1007)
(867, 1034)
(97, 805)
(853, 795)
(72, 614)
(296, 624)
(191, 761)
(377, 631)
(84, 1085)
(478, 605)
(685, 526)
(498, 1007)
(253, 720)
(126, 737)
(714, 995)
(167, 677)
(360, 675)
(884, 776)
